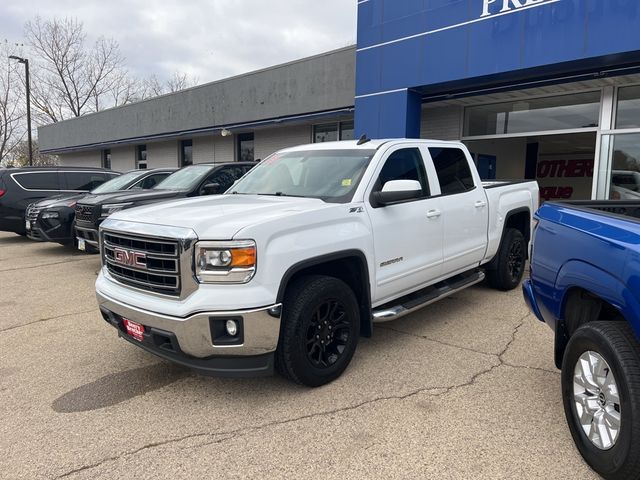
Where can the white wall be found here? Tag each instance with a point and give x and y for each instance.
(441, 123)
(511, 154)
(207, 148)
(123, 158)
(163, 154)
(203, 149)
(274, 139)
(92, 158)
(213, 148)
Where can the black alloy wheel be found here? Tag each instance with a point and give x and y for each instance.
(509, 262)
(516, 260)
(319, 330)
(328, 334)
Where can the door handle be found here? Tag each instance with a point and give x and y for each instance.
(481, 203)
(433, 213)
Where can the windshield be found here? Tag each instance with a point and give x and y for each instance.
(331, 175)
(185, 178)
(118, 183)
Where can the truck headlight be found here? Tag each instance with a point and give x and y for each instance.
(46, 215)
(108, 209)
(225, 262)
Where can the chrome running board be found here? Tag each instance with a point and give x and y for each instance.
(427, 296)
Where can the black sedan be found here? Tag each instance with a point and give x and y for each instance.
(53, 219)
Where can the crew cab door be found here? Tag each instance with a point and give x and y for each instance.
(407, 235)
(465, 209)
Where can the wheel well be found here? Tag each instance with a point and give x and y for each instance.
(351, 269)
(520, 220)
(580, 306)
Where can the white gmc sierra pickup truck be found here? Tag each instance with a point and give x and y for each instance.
(306, 251)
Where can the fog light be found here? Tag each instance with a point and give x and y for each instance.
(232, 328)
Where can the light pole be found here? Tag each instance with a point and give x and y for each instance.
(25, 61)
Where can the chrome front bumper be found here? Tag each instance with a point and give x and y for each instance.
(261, 328)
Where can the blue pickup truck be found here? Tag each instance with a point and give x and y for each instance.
(585, 284)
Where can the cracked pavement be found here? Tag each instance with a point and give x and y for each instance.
(465, 388)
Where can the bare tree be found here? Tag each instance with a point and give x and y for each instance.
(180, 81)
(152, 87)
(69, 78)
(19, 156)
(12, 111)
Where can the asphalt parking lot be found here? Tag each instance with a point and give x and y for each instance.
(465, 388)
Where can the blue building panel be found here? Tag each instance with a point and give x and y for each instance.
(426, 45)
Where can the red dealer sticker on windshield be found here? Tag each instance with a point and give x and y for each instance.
(134, 329)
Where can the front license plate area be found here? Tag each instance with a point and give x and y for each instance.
(82, 245)
(133, 329)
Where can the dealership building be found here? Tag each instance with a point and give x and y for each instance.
(537, 89)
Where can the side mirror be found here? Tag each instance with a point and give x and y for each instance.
(396, 191)
(210, 188)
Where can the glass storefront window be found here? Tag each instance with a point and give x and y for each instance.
(246, 147)
(628, 114)
(621, 157)
(331, 132)
(186, 153)
(561, 112)
(325, 133)
(346, 131)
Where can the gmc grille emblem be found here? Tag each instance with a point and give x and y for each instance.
(130, 258)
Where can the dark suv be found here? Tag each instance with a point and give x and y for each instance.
(21, 186)
(191, 181)
(53, 219)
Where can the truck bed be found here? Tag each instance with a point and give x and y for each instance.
(624, 208)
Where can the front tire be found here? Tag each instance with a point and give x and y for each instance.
(601, 396)
(319, 331)
(510, 261)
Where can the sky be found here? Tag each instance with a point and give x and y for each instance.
(207, 39)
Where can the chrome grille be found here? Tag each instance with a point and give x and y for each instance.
(85, 213)
(142, 262)
(32, 213)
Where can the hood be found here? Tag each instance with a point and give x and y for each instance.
(60, 200)
(132, 196)
(220, 217)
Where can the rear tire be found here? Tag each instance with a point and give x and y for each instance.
(319, 331)
(510, 261)
(601, 396)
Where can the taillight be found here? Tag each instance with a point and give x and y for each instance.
(2, 192)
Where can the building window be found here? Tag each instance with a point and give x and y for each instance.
(332, 132)
(628, 113)
(622, 154)
(346, 130)
(186, 153)
(106, 159)
(141, 157)
(560, 112)
(246, 150)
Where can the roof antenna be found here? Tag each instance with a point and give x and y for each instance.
(363, 139)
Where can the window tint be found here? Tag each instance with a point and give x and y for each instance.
(186, 153)
(38, 181)
(83, 180)
(246, 147)
(106, 159)
(405, 164)
(151, 181)
(226, 176)
(141, 157)
(453, 170)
